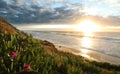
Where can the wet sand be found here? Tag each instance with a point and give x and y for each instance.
(91, 55)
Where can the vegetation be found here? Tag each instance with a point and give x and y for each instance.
(25, 55)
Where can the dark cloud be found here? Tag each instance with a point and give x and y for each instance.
(17, 11)
(37, 14)
(3, 4)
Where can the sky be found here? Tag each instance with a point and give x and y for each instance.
(92, 7)
(89, 7)
(63, 11)
(102, 7)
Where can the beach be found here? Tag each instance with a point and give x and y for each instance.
(92, 55)
(104, 47)
(59, 37)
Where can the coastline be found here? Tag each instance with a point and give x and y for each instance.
(23, 54)
(91, 55)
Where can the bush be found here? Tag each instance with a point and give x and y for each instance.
(26, 55)
(16, 52)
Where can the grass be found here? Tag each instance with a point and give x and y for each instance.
(31, 51)
(22, 54)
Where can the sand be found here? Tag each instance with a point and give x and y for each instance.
(91, 55)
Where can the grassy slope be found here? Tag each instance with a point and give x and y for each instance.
(42, 56)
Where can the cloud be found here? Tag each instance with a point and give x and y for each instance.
(3, 4)
(44, 11)
(104, 7)
(111, 2)
(112, 6)
(56, 0)
(34, 2)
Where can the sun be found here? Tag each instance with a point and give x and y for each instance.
(88, 27)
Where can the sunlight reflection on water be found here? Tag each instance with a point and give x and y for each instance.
(87, 43)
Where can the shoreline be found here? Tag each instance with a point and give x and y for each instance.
(91, 55)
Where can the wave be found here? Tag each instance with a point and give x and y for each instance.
(103, 52)
(115, 40)
(79, 35)
(104, 44)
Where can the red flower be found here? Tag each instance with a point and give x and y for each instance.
(13, 54)
(27, 67)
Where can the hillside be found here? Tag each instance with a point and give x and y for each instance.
(6, 27)
(26, 55)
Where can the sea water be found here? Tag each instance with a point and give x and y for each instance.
(103, 42)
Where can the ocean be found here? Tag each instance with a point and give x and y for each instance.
(104, 42)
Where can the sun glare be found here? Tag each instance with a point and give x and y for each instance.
(88, 27)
